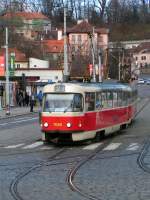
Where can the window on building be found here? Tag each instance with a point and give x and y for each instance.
(100, 39)
(73, 39)
(79, 39)
(136, 58)
(18, 66)
(143, 57)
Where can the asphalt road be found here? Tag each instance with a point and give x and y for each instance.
(117, 168)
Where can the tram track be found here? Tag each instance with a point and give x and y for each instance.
(77, 162)
(72, 172)
(13, 189)
(142, 107)
(144, 152)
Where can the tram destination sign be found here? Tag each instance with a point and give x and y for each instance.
(59, 88)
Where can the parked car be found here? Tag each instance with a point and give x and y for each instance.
(141, 81)
(148, 82)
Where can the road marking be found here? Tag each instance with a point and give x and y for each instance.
(34, 145)
(133, 147)
(112, 146)
(14, 146)
(46, 148)
(92, 146)
(16, 122)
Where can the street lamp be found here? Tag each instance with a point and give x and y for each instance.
(66, 71)
(93, 56)
(100, 66)
(7, 74)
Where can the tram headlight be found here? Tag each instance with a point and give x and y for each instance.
(69, 125)
(45, 124)
(79, 125)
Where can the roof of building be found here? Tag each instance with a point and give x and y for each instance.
(142, 47)
(25, 15)
(85, 27)
(53, 46)
(19, 56)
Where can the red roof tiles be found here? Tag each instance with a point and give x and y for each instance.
(85, 27)
(19, 56)
(53, 46)
(142, 46)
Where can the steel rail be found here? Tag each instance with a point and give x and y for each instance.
(13, 189)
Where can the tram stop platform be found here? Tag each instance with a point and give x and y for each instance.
(16, 111)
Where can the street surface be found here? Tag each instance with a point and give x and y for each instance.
(117, 168)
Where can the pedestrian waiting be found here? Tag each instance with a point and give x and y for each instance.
(39, 97)
(32, 102)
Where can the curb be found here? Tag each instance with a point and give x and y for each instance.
(19, 114)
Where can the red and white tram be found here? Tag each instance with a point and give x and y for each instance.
(82, 111)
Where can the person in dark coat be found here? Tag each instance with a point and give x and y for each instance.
(26, 99)
(32, 101)
(40, 96)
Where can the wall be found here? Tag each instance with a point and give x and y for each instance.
(140, 61)
(23, 65)
(37, 63)
(53, 75)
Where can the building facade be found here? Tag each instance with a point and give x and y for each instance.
(29, 24)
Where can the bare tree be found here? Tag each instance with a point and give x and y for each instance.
(100, 5)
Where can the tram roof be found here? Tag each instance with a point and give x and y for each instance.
(106, 85)
(93, 86)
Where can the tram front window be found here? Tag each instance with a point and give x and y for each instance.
(63, 103)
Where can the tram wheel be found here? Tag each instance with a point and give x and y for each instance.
(99, 135)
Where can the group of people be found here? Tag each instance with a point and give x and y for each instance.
(24, 99)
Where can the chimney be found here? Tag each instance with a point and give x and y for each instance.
(81, 20)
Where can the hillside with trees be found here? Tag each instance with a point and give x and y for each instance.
(126, 19)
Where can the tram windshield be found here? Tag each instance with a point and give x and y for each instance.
(63, 102)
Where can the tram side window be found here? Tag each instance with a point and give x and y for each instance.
(115, 99)
(104, 100)
(129, 97)
(119, 98)
(98, 101)
(109, 99)
(124, 98)
(77, 103)
(134, 95)
(90, 101)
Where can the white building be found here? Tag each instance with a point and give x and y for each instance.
(36, 69)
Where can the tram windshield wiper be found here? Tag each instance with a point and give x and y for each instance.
(70, 106)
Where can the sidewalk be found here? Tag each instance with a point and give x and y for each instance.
(16, 111)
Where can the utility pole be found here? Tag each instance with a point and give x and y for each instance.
(66, 71)
(119, 73)
(93, 55)
(99, 66)
(7, 75)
